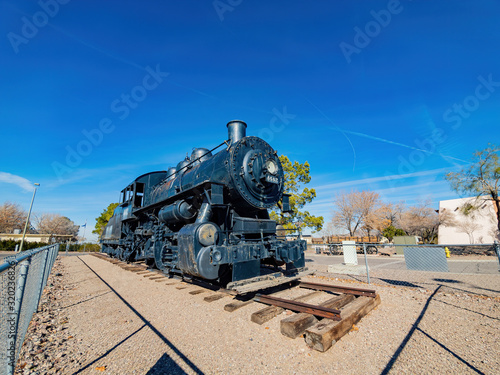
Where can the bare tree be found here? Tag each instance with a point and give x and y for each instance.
(480, 178)
(422, 220)
(56, 224)
(467, 219)
(12, 216)
(467, 222)
(328, 230)
(352, 210)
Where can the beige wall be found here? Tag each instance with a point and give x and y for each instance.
(33, 237)
(483, 226)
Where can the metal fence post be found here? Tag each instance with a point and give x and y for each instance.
(497, 250)
(21, 283)
(366, 264)
(46, 258)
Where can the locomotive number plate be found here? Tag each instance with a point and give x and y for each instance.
(272, 179)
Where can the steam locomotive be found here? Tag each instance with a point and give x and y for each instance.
(208, 217)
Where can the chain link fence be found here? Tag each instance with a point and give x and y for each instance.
(460, 268)
(23, 278)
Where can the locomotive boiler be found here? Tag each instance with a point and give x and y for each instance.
(208, 217)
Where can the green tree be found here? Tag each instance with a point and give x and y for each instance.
(102, 220)
(296, 176)
(480, 178)
(390, 232)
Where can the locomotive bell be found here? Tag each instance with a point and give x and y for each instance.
(236, 130)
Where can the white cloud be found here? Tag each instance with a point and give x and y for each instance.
(22, 182)
(372, 180)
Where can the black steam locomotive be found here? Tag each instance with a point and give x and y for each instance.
(208, 217)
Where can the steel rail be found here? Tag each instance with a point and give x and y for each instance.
(339, 289)
(316, 310)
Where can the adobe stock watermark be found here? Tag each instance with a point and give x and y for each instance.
(372, 29)
(30, 27)
(423, 148)
(276, 125)
(223, 6)
(460, 111)
(12, 317)
(455, 115)
(121, 107)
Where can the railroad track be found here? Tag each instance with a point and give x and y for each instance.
(321, 324)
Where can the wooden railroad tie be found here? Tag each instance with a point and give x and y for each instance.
(296, 324)
(326, 332)
(151, 274)
(157, 278)
(267, 313)
(233, 306)
(195, 292)
(215, 297)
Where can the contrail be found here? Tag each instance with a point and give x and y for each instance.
(337, 129)
(400, 144)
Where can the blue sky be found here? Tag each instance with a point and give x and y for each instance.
(379, 95)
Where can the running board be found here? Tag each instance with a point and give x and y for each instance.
(267, 281)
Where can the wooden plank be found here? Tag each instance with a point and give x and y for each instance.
(233, 306)
(215, 297)
(199, 291)
(269, 312)
(143, 272)
(295, 325)
(157, 278)
(325, 333)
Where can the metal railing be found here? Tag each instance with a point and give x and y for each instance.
(23, 278)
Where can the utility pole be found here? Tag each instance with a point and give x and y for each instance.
(84, 229)
(28, 218)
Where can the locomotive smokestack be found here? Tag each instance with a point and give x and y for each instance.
(236, 130)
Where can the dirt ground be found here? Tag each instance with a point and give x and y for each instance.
(98, 318)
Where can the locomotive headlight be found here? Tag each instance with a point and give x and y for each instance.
(207, 234)
(272, 167)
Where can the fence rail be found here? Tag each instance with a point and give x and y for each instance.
(23, 278)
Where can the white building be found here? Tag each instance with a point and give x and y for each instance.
(478, 226)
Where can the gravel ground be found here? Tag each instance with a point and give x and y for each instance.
(104, 319)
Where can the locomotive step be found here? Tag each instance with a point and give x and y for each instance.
(267, 281)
